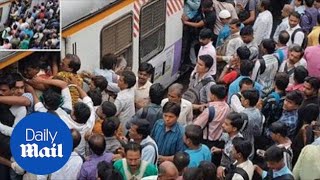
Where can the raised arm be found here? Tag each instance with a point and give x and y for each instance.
(15, 100)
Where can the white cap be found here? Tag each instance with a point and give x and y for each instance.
(224, 14)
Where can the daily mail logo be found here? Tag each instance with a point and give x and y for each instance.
(41, 143)
(32, 150)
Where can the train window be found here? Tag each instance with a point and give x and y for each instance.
(117, 38)
(152, 29)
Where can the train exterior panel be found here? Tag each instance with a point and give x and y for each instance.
(140, 31)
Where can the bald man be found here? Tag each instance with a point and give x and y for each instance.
(167, 171)
(285, 12)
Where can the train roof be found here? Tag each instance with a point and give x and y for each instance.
(75, 11)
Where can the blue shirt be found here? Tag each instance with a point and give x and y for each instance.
(198, 155)
(234, 86)
(224, 34)
(290, 119)
(285, 170)
(191, 8)
(170, 142)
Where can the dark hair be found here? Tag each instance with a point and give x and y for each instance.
(75, 62)
(148, 68)
(81, 112)
(279, 128)
(220, 91)
(295, 96)
(205, 33)
(207, 59)
(76, 138)
(143, 127)
(181, 160)
(156, 93)
(314, 82)
(295, 14)
(284, 37)
(97, 144)
(236, 120)
(206, 4)
(16, 77)
(129, 78)
(242, 146)
(10, 80)
(281, 80)
(193, 173)
(110, 126)
(246, 81)
(100, 82)
(106, 171)
(246, 67)
(132, 146)
(109, 109)
(194, 133)
(273, 154)
(243, 52)
(51, 99)
(246, 31)
(265, 4)
(171, 107)
(252, 95)
(237, 22)
(269, 45)
(300, 73)
(209, 170)
(309, 3)
(108, 61)
(308, 114)
(95, 96)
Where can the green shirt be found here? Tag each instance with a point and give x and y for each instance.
(149, 171)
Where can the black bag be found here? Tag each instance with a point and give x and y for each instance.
(233, 169)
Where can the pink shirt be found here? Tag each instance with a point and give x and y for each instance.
(294, 87)
(209, 50)
(215, 127)
(312, 55)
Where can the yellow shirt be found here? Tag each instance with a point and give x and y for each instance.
(66, 76)
(313, 37)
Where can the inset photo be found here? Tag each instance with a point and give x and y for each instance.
(29, 25)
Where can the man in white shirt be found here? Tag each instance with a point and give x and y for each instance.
(284, 25)
(82, 117)
(175, 92)
(263, 25)
(143, 85)
(207, 48)
(295, 59)
(125, 98)
(235, 100)
(294, 21)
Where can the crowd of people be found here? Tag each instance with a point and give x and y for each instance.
(36, 27)
(250, 110)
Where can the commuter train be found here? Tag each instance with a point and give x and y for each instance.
(137, 30)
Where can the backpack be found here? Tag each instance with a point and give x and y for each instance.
(221, 50)
(193, 92)
(236, 170)
(305, 39)
(212, 113)
(263, 67)
(149, 113)
(310, 25)
(155, 149)
(245, 13)
(272, 110)
(283, 177)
